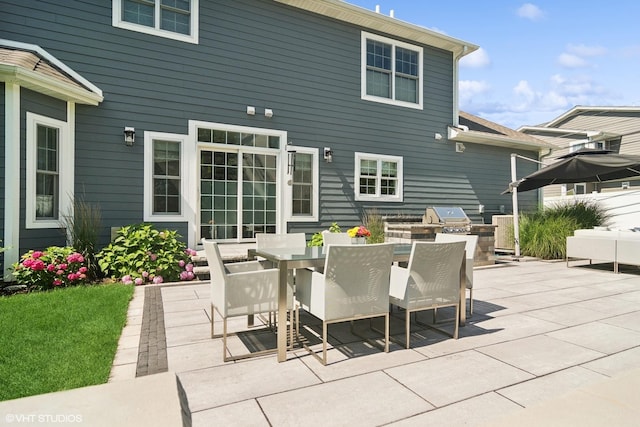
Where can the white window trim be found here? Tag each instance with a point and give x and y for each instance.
(65, 170)
(378, 197)
(149, 137)
(156, 31)
(315, 198)
(363, 66)
(282, 163)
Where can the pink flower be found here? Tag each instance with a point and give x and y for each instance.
(189, 267)
(51, 268)
(153, 257)
(83, 276)
(37, 254)
(82, 270)
(57, 282)
(60, 272)
(71, 276)
(28, 262)
(38, 265)
(184, 275)
(63, 266)
(126, 279)
(157, 280)
(190, 275)
(181, 263)
(145, 274)
(138, 281)
(191, 252)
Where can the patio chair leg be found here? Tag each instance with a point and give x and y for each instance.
(457, 322)
(471, 301)
(324, 343)
(386, 333)
(408, 327)
(213, 310)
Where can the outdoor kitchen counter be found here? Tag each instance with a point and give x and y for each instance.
(410, 232)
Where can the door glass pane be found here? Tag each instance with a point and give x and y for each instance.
(216, 202)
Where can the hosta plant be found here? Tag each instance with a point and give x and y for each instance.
(142, 254)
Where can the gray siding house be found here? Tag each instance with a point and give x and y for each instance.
(614, 128)
(225, 118)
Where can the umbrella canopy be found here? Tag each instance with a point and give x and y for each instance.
(581, 166)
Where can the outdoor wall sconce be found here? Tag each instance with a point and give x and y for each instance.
(268, 113)
(328, 155)
(129, 136)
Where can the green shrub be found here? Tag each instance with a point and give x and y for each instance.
(82, 227)
(316, 238)
(543, 234)
(51, 268)
(141, 254)
(375, 224)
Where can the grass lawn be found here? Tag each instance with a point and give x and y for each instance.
(61, 339)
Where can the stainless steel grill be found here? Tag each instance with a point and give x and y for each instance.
(451, 218)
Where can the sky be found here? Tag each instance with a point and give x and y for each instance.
(537, 59)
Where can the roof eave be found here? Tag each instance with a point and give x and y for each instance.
(356, 15)
(48, 86)
(484, 138)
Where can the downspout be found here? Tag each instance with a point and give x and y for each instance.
(456, 66)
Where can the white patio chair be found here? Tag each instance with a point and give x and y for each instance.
(240, 289)
(354, 285)
(430, 281)
(471, 241)
(329, 238)
(290, 241)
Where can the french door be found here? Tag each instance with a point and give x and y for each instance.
(238, 193)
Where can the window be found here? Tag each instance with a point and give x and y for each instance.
(176, 19)
(49, 171)
(166, 177)
(378, 177)
(303, 188)
(596, 145)
(391, 71)
(165, 186)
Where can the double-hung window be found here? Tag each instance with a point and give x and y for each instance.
(378, 177)
(303, 183)
(176, 19)
(164, 181)
(391, 71)
(49, 171)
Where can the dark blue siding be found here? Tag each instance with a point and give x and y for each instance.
(261, 53)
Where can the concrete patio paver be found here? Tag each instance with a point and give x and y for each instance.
(539, 330)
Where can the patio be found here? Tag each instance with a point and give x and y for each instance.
(539, 330)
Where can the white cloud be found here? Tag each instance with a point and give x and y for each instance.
(583, 50)
(569, 60)
(468, 89)
(477, 59)
(530, 11)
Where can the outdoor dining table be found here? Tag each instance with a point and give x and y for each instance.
(314, 256)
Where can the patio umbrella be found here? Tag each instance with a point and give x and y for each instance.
(581, 166)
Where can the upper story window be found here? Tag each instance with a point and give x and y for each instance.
(176, 19)
(48, 167)
(391, 71)
(378, 177)
(596, 145)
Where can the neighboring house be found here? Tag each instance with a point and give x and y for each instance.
(610, 128)
(225, 118)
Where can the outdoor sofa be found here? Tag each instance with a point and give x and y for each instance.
(616, 246)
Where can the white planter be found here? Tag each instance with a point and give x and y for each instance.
(358, 240)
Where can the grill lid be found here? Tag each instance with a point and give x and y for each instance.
(445, 215)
